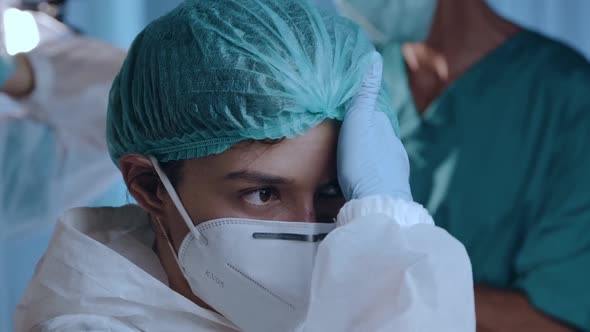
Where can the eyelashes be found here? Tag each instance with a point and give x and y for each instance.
(261, 196)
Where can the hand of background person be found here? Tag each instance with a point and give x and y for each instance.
(420, 55)
(17, 78)
(7, 68)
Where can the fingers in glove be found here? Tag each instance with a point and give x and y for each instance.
(366, 98)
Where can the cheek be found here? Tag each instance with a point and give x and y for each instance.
(202, 208)
(206, 205)
(202, 203)
(210, 201)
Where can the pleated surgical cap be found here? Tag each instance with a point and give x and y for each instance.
(213, 73)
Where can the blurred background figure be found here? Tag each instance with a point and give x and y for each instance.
(117, 22)
(564, 21)
(496, 121)
(54, 90)
(58, 59)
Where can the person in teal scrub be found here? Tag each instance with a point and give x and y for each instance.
(496, 121)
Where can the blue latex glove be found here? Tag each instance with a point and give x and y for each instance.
(7, 68)
(371, 158)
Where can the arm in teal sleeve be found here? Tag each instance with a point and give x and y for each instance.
(553, 266)
(28, 162)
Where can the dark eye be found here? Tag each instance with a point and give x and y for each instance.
(330, 191)
(261, 197)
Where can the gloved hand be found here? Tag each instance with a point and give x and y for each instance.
(371, 158)
(7, 68)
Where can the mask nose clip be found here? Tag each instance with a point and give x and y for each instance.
(177, 202)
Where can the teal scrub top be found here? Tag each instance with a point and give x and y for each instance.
(502, 161)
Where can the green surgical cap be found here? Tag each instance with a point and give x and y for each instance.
(213, 73)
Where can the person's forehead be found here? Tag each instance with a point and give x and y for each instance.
(303, 154)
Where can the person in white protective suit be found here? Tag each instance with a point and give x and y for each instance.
(53, 154)
(56, 95)
(297, 219)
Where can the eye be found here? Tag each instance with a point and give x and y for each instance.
(261, 197)
(330, 191)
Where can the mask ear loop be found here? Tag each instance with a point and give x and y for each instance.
(168, 241)
(177, 202)
(179, 266)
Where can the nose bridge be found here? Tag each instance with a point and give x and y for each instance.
(310, 215)
(306, 211)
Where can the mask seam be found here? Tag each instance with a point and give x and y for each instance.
(224, 222)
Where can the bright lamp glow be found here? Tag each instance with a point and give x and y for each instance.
(21, 33)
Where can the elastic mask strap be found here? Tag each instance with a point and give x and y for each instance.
(176, 200)
(168, 241)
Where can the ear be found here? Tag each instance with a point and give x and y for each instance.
(144, 184)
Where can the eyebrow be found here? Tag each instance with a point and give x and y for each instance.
(257, 177)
